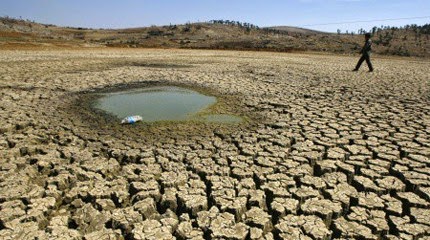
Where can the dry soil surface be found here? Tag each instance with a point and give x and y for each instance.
(326, 154)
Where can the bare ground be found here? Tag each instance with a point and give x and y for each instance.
(327, 153)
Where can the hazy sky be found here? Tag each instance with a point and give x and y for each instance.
(138, 13)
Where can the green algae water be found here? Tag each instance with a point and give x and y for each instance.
(156, 104)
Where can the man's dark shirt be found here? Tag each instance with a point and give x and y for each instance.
(367, 48)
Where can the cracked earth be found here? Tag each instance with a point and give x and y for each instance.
(331, 154)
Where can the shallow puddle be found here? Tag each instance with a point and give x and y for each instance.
(162, 104)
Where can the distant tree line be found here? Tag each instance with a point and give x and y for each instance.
(11, 20)
(424, 29)
(235, 23)
(248, 26)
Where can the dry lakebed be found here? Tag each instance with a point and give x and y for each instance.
(319, 152)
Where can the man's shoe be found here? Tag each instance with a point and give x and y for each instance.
(355, 70)
(370, 70)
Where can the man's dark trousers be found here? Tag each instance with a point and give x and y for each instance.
(367, 58)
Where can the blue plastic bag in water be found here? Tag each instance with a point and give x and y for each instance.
(131, 119)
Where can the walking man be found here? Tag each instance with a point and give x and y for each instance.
(365, 54)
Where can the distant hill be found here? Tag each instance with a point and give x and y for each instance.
(217, 34)
(296, 30)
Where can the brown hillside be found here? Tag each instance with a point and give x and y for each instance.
(232, 36)
(296, 30)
